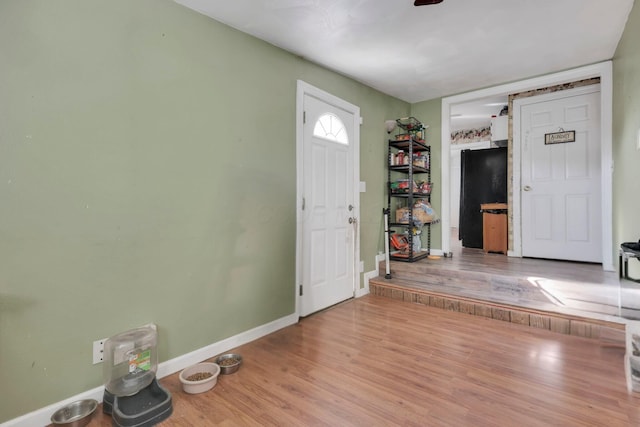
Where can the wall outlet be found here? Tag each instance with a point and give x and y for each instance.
(98, 351)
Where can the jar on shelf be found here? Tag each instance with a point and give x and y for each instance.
(400, 158)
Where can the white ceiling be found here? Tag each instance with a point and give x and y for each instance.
(421, 53)
(476, 114)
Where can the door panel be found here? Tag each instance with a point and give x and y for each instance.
(561, 211)
(318, 268)
(341, 253)
(328, 243)
(578, 227)
(542, 208)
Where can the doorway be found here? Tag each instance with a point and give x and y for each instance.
(328, 199)
(604, 72)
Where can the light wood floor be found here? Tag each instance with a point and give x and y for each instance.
(375, 361)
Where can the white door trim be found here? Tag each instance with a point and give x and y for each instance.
(603, 70)
(303, 89)
(517, 154)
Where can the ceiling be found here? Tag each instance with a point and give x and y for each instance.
(421, 53)
(476, 114)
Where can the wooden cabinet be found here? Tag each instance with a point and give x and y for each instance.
(494, 227)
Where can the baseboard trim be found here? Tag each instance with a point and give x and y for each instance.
(367, 276)
(370, 275)
(42, 416)
(177, 364)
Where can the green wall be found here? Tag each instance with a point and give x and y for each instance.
(147, 174)
(626, 124)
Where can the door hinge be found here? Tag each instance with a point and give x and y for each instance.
(304, 117)
(304, 203)
(300, 290)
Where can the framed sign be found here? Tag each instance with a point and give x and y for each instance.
(560, 137)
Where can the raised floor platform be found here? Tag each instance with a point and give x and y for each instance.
(565, 297)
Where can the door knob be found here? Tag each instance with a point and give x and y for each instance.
(527, 188)
(350, 207)
(352, 220)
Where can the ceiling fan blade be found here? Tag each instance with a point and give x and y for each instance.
(426, 2)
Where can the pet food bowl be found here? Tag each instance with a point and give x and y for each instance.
(75, 414)
(229, 363)
(194, 386)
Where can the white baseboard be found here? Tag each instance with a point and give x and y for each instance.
(179, 363)
(369, 275)
(42, 416)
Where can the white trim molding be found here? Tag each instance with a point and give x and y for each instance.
(370, 275)
(360, 292)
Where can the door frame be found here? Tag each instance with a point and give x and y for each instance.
(517, 154)
(604, 70)
(303, 89)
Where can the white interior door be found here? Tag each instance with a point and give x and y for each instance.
(561, 183)
(329, 215)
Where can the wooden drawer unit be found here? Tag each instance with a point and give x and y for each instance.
(494, 227)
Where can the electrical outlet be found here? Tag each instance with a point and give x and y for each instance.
(98, 351)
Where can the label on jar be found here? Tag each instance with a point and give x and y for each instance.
(140, 361)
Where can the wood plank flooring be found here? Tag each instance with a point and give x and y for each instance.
(376, 361)
(562, 287)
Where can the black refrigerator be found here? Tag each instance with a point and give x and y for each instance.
(483, 180)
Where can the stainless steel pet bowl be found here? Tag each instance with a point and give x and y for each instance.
(225, 366)
(75, 414)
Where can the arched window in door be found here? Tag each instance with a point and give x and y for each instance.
(330, 127)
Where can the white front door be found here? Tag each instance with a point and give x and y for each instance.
(561, 182)
(329, 213)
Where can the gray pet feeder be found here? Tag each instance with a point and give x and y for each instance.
(133, 397)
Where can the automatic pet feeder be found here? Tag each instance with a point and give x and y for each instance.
(132, 396)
